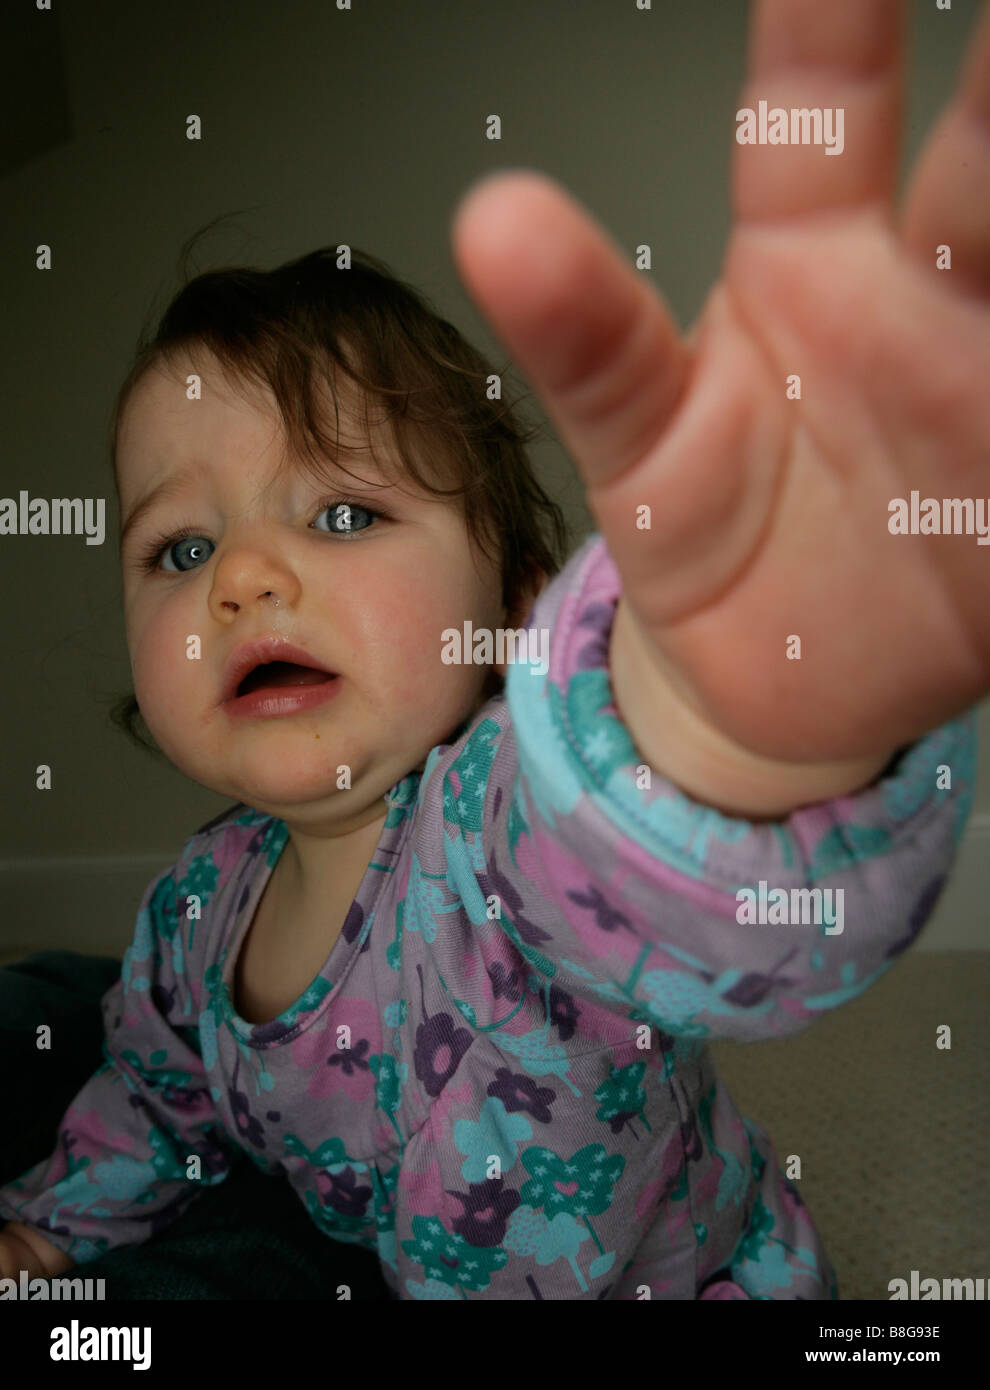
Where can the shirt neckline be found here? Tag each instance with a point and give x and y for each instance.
(305, 1010)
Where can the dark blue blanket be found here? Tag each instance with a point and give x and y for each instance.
(247, 1238)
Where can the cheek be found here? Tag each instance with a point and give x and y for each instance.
(401, 606)
(157, 644)
(401, 631)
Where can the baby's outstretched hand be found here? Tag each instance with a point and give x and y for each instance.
(835, 369)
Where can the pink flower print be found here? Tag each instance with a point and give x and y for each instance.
(229, 849)
(423, 1193)
(343, 1070)
(89, 1127)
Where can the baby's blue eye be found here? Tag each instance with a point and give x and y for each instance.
(346, 515)
(195, 551)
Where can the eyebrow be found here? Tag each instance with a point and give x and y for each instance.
(161, 493)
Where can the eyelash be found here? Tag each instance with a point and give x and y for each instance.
(150, 558)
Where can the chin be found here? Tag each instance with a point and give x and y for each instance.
(267, 788)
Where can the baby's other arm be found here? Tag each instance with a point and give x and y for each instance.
(24, 1247)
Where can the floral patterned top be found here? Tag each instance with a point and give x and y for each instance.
(500, 1079)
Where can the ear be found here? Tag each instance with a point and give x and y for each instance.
(521, 612)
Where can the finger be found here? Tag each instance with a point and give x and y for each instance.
(594, 338)
(948, 200)
(844, 60)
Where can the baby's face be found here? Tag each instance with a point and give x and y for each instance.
(272, 559)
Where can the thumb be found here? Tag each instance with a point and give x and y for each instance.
(596, 341)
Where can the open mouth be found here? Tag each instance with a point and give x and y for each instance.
(274, 675)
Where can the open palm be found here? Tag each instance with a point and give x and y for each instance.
(833, 370)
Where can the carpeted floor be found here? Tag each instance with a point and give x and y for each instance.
(893, 1132)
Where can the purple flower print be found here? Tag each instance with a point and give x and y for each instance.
(512, 904)
(340, 1191)
(563, 1013)
(920, 913)
(506, 984)
(247, 1126)
(606, 918)
(439, 1047)
(594, 654)
(353, 923)
(518, 1092)
(352, 1059)
(487, 1208)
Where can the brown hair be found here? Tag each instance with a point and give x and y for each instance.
(294, 327)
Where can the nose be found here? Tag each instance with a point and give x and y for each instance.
(248, 576)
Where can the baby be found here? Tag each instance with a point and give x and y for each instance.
(464, 1009)
(452, 961)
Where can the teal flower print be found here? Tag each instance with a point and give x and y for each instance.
(278, 834)
(605, 742)
(548, 1239)
(449, 1259)
(200, 879)
(467, 778)
(494, 1133)
(621, 1098)
(582, 1184)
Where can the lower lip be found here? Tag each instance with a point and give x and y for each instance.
(282, 700)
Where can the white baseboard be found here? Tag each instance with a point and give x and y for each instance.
(90, 904)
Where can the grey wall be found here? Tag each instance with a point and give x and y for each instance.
(362, 127)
